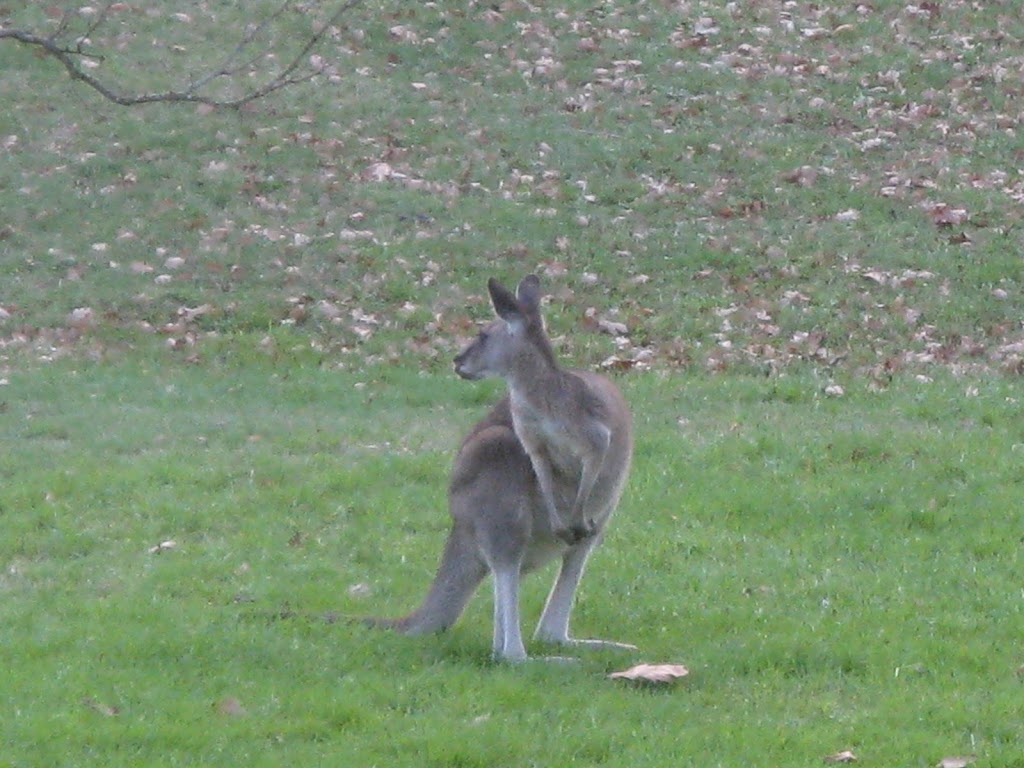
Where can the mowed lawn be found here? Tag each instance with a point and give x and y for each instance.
(789, 231)
(183, 547)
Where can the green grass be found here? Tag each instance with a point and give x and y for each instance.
(234, 331)
(834, 577)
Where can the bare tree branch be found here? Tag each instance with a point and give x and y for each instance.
(71, 54)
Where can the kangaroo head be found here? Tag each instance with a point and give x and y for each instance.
(507, 344)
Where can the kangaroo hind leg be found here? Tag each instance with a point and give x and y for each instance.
(554, 621)
(508, 635)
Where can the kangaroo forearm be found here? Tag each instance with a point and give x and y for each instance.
(547, 485)
(588, 479)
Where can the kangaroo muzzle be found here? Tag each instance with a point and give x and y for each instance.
(461, 370)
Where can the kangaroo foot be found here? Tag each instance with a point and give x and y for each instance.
(607, 644)
(526, 659)
(579, 642)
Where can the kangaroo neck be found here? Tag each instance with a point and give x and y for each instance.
(538, 380)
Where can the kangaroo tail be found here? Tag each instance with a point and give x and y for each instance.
(458, 576)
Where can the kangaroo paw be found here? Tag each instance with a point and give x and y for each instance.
(574, 534)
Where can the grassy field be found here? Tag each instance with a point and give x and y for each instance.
(791, 230)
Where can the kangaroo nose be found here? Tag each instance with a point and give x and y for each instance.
(460, 368)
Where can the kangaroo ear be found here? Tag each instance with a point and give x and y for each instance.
(528, 294)
(505, 304)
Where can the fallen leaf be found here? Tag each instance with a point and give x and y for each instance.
(98, 706)
(652, 673)
(943, 215)
(705, 27)
(805, 176)
(329, 310)
(81, 317)
(230, 706)
(612, 328)
(846, 756)
(362, 589)
(190, 314)
(813, 33)
(616, 363)
(378, 171)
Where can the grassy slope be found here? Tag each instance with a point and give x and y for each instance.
(839, 572)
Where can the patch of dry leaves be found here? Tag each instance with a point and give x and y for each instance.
(593, 63)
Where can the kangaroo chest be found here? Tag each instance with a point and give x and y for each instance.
(546, 433)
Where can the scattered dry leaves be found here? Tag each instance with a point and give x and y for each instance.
(909, 141)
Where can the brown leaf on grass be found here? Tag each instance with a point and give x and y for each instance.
(190, 314)
(956, 762)
(741, 210)
(652, 673)
(98, 706)
(846, 756)
(705, 26)
(591, 321)
(805, 176)
(944, 216)
(362, 589)
(329, 310)
(230, 706)
(81, 318)
(620, 364)
(612, 327)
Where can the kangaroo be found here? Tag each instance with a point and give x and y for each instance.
(559, 440)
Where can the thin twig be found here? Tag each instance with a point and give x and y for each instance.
(227, 67)
(96, 23)
(286, 76)
(63, 24)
